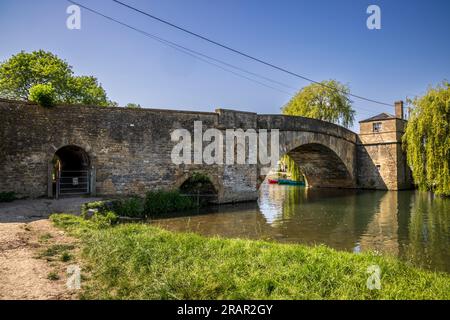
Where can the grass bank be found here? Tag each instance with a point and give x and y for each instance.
(137, 261)
(153, 204)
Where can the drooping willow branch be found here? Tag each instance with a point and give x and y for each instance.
(427, 140)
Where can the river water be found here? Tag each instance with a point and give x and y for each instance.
(412, 225)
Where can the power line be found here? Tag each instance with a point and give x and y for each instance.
(245, 54)
(199, 55)
(190, 52)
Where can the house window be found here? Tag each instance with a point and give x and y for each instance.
(378, 167)
(377, 127)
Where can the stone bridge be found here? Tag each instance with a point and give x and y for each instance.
(128, 151)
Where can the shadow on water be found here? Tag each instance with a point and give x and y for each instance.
(412, 225)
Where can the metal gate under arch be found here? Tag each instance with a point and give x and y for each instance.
(73, 183)
(72, 173)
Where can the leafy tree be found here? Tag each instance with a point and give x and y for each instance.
(24, 70)
(427, 140)
(328, 101)
(42, 94)
(85, 90)
(133, 106)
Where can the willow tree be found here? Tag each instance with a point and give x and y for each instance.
(327, 101)
(292, 168)
(427, 140)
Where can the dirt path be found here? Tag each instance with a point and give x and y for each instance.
(35, 209)
(34, 255)
(26, 269)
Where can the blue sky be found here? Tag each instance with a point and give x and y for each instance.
(319, 39)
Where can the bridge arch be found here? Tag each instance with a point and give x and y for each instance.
(325, 152)
(214, 187)
(70, 171)
(72, 157)
(326, 161)
(321, 166)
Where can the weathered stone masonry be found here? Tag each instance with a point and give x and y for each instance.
(382, 162)
(130, 149)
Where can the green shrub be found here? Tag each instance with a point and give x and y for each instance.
(198, 177)
(99, 206)
(66, 256)
(130, 207)
(53, 276)
(7, 196)
(105, 219)
(155, 203)
(43, 94)
(158, 202)
(103, 215)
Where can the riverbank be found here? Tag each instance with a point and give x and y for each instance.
(34, 256)
(138, 261)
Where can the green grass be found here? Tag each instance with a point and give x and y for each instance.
(53, 276)
(66, 256)
(137, 261)
(56, 250)
(45, 237)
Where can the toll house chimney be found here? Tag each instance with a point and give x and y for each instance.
(399, 110)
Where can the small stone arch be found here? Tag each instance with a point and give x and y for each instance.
(218, 190)
(71, 171)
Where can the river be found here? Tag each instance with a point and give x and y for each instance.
(411, 225)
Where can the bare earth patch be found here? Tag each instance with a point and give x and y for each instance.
(29, 267)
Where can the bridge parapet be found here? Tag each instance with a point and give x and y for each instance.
(232, 119)
(296, 123)
(130, 149)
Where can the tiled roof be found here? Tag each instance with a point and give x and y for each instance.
(381, 116)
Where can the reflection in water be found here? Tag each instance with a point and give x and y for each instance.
(428, 238)
(381, 233)
(412, 225)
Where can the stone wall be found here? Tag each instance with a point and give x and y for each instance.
(130, 150)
